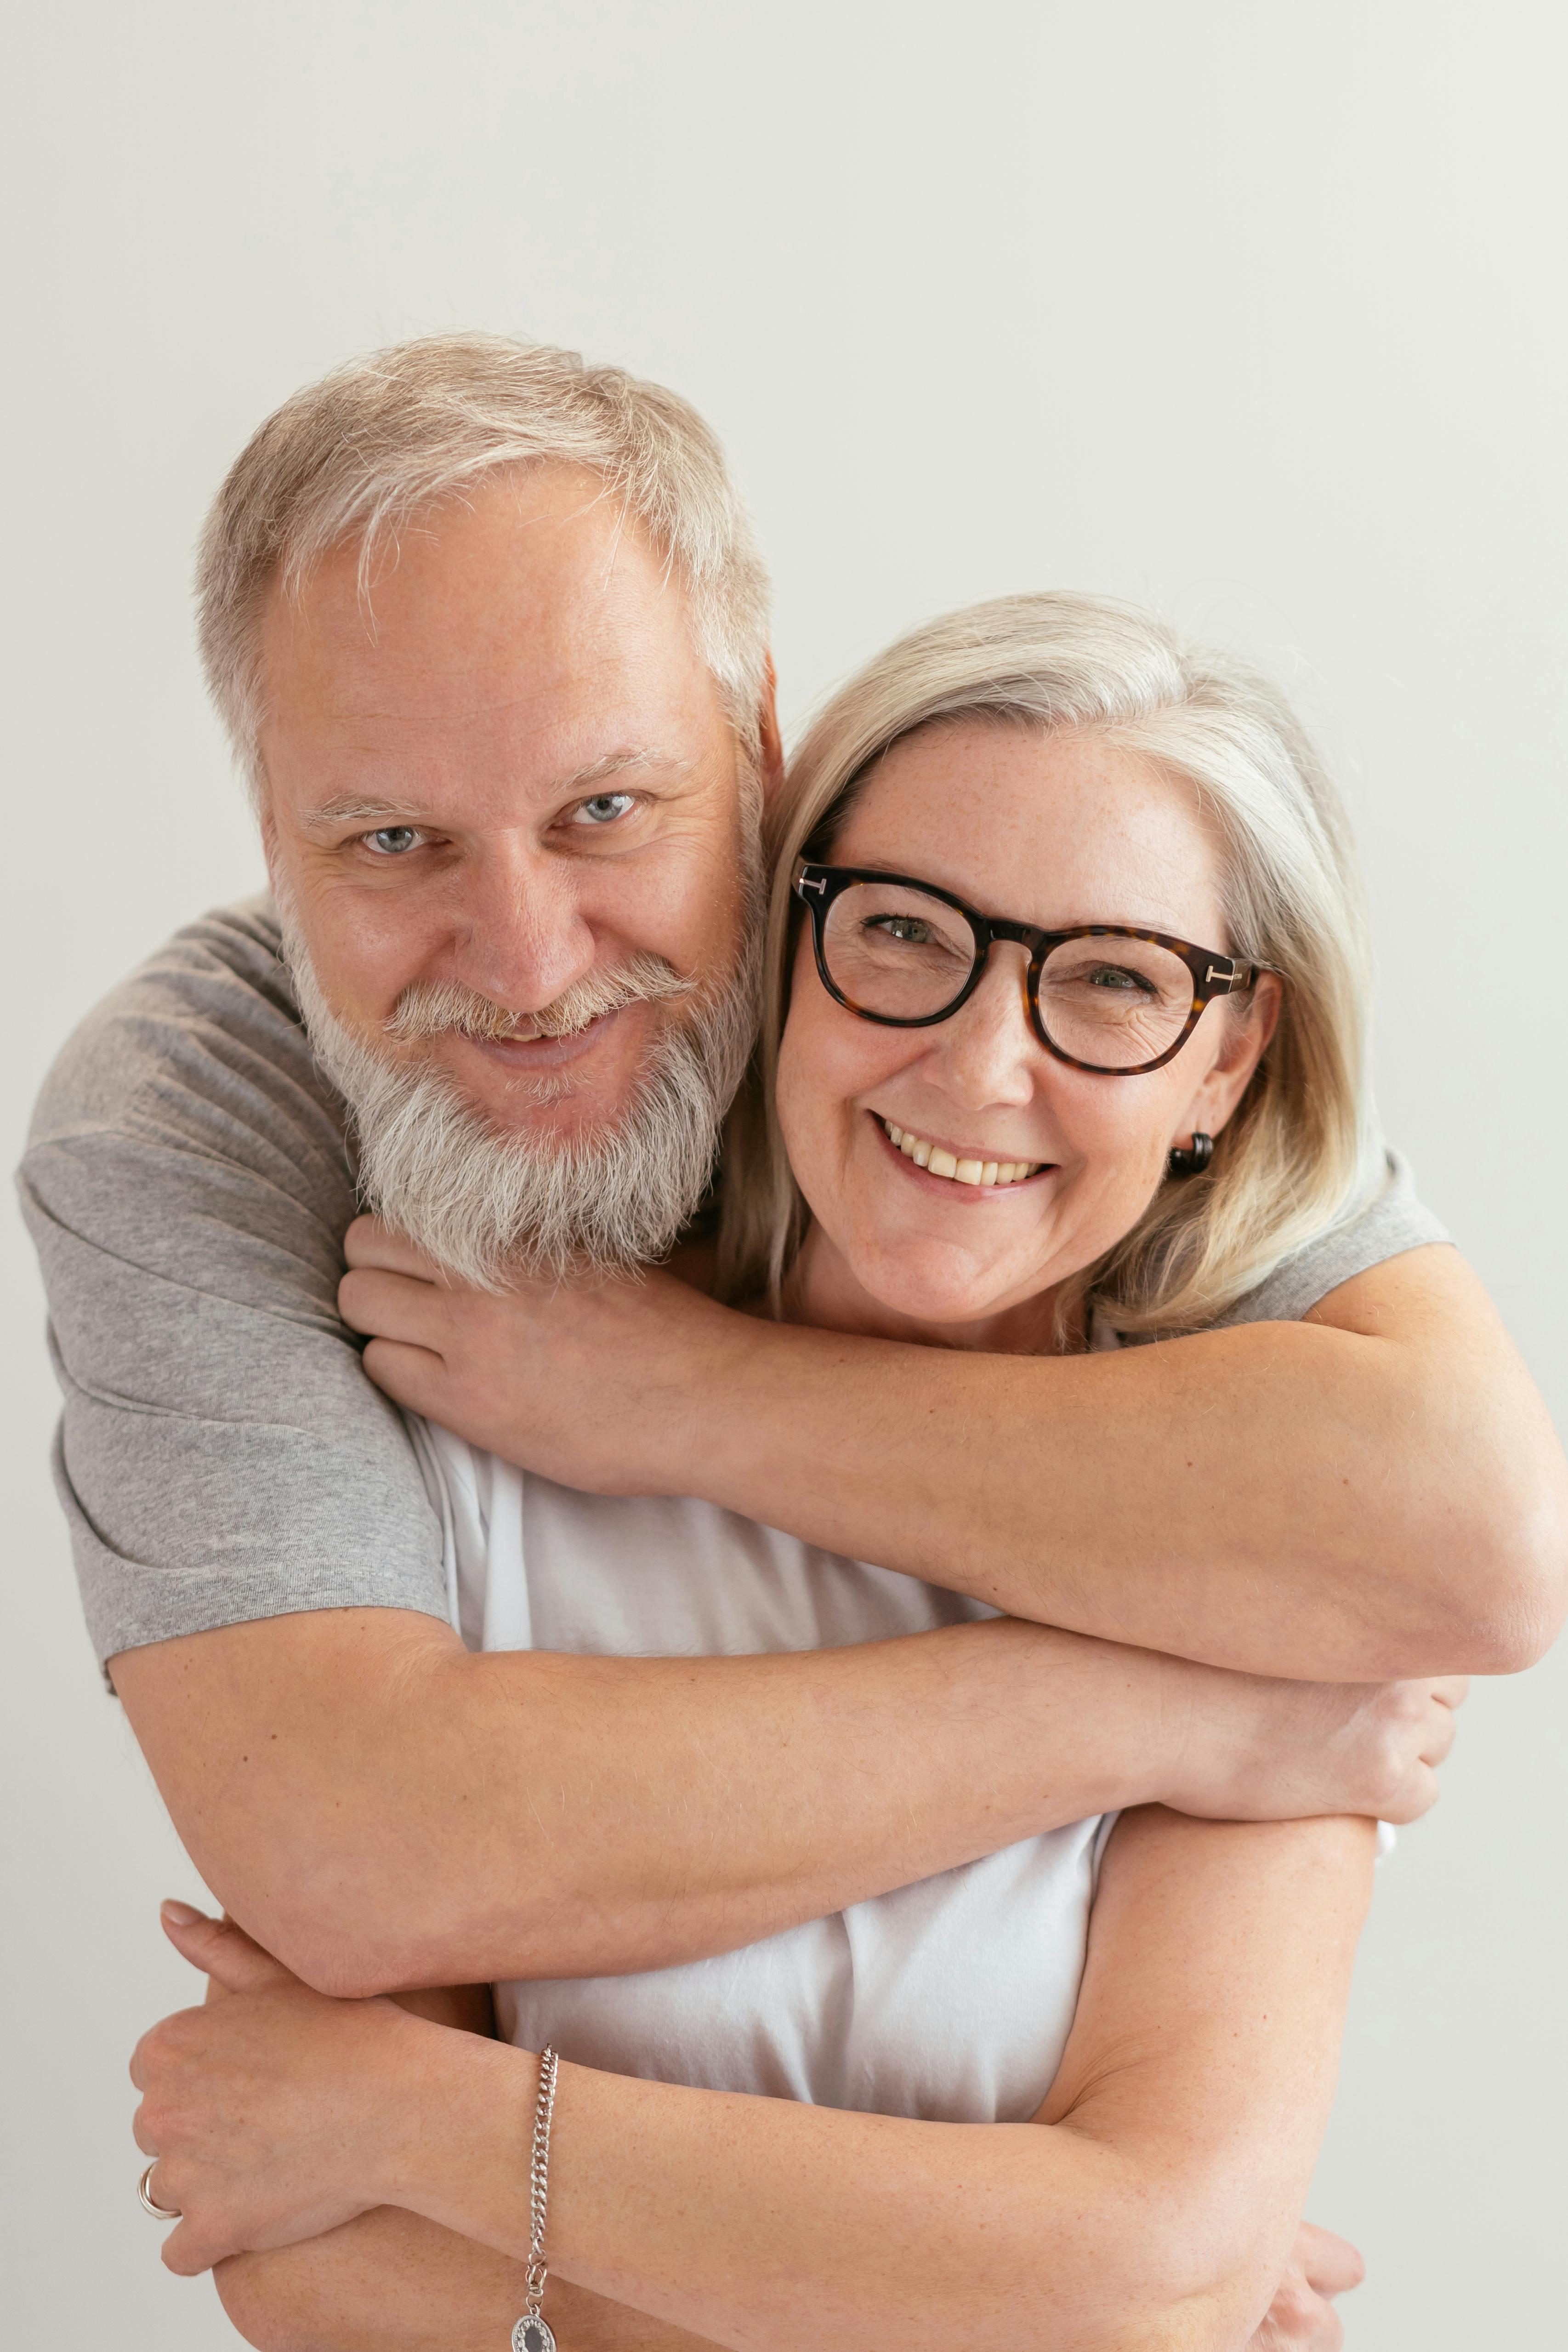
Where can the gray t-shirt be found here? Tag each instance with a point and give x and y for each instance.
(221, 1454)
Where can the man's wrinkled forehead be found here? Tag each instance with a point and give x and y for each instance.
(533, 615)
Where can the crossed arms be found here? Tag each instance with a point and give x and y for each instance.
(1151, 2204)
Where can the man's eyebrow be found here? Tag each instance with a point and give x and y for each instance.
(353, 808)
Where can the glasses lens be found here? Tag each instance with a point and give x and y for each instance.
(896, 951)
(1114, 1003)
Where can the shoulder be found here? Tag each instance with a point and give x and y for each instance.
(194, 1075)
(1393, 1222)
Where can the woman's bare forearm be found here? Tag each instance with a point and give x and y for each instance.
(1154, 2199)
(391, 2282)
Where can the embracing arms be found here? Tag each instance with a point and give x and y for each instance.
(1374, 1491)
(382, 1807)
(1152, 2202)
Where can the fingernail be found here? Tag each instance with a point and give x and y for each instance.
(182, 1914)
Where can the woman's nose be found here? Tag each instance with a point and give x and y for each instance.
(989, 1051)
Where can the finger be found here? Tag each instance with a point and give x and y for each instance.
(1451, 1690)
(1331, 2264)
(391, 1307)
(1440, 1731)
(188, 2253)
(371, 1241)
(221, 1950)
(1417, 1795)
(410, 1376)
(141, 2135)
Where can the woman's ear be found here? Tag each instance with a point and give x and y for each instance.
(1242, 1047)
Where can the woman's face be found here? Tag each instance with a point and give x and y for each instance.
(1053, 831)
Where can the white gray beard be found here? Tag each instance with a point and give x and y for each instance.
(486, 1204)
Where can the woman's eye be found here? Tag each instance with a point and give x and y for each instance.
(906, 927)
(392, 840)
(603, 808)
(1109, 975)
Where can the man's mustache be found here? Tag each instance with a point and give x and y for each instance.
(428, 1008)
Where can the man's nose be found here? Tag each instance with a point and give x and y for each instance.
(519, 933)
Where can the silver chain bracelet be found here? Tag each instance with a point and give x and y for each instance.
(533, 2331)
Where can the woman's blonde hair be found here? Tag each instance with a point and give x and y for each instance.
(1302, 1152)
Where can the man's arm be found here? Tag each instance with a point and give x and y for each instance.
(1374, 1491)
(382, 1807)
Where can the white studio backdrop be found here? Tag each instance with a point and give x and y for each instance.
(1250, 312)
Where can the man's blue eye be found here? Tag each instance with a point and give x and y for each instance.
(392, 840)
(604, 807)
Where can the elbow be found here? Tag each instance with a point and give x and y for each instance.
(1197, 2277)
(259, 2304)
(352, 1917)
(1507, 1586)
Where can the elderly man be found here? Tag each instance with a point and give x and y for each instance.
(489, 635)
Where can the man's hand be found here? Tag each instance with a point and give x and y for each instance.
(524, 1375)
(1257, 1750)
(1301, 2318)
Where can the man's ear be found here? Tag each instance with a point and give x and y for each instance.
(771, 758)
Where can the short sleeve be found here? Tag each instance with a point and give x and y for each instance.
(1391, 1224)
(221, 1455)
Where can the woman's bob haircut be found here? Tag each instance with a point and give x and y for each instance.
(1303, 1152)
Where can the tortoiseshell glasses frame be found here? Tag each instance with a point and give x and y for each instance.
(1212, 974)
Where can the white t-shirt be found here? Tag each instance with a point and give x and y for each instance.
(950, 2000)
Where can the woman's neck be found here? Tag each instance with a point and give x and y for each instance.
(823, 1292)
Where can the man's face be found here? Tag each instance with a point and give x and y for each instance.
(508, 774)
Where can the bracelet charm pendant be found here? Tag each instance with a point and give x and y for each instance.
(533, 2334)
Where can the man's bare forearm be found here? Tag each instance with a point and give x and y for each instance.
(380, 1808)
(1375, 1491)
(1377, 1496)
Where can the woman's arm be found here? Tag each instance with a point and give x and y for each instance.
(390, 2280)
(1152, 2203)
(1374, 1492)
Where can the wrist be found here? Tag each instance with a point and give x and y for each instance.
(1202, 1734)
(457, 2144)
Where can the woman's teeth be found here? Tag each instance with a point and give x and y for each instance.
(937, 1162)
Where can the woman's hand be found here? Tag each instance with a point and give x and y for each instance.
(598, 1385)
(1301, 2318)
(271, 2113)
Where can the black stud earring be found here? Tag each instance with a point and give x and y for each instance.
(1193, 1163)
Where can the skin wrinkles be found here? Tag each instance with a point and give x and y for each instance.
(523, 656)
(1067, 829)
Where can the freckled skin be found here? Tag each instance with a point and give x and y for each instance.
(511, 644)
(1057, 831)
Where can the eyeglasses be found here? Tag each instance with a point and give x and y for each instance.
(1101, 996)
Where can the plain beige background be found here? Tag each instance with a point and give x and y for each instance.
(1252, 311)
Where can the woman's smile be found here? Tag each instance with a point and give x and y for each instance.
(961, 1168)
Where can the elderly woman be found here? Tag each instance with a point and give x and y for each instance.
(1063, 1050)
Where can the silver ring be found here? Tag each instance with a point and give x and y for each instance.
(159, 2212)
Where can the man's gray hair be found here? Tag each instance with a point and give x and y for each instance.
(351, 458)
